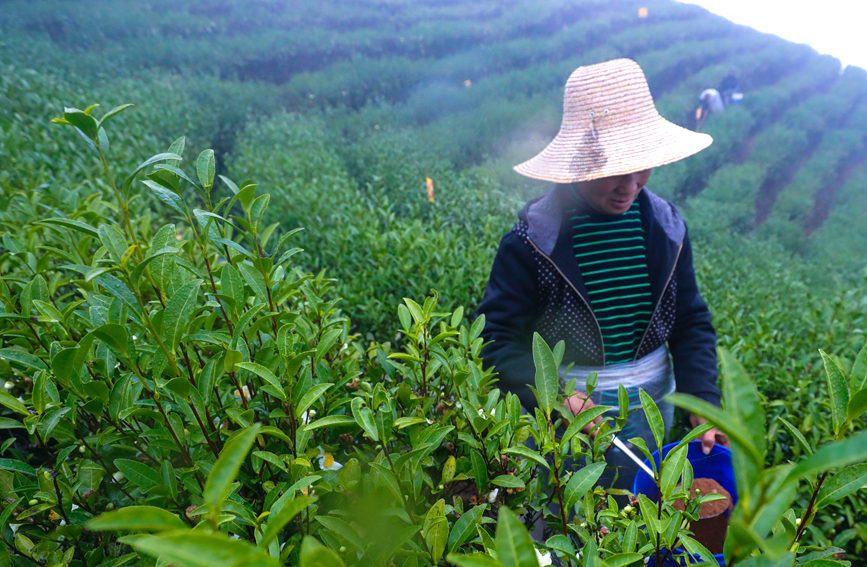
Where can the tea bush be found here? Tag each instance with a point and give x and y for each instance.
(185, 383)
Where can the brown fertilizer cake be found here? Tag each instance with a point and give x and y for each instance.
(710, 529)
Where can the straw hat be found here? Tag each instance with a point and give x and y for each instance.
(610, 127)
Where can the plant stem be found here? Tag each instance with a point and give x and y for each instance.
(805, 520)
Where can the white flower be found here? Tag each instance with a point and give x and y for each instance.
(492, 497)
(482, 413)
(327, 462)
(493, 411)
(244, 392)
(9, 385)
(307, 416)
(544, 558)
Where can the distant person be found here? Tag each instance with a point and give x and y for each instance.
(708, 101)
(728, 86)
(602, 263)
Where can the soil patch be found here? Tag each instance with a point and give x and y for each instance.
(710, 529)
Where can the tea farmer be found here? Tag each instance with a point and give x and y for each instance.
(603, 263)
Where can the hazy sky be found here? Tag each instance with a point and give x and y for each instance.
(835, 27)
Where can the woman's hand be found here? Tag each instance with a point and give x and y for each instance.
(578, 402)
(711, 437)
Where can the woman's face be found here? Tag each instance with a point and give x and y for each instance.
(612, 195)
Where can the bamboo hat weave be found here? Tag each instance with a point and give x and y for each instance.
(610, 127)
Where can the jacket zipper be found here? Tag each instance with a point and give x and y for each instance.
(658, 303)
(578, 293)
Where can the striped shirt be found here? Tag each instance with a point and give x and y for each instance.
(611, 255)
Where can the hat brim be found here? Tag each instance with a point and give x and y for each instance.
(627, 149)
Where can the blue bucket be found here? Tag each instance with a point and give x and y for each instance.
(717, 465)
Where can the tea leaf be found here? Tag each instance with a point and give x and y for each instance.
(796, 433)
(857, 406)
(17, 466)
(581, 481)
(465, 526)
(672, 469)
(145, 164)
(314, 554)
(310, 396)
(205, 169)
(278, 521)
(654, 418)
(226, 468)
(474, 560)
(838, 390)
(514, 546)
(136, 518)
(191, 548)
(138, 473)
(73, 224)
(833, 455)
(23, 358)
(266, 374)
(547, 380)
(329, 421)
(845, 482)
(858, 374)
(178, 312)
(741, 398)
(528, 453)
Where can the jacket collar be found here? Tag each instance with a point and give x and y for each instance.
(664, 233)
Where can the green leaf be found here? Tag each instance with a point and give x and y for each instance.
(314, 554)
(697, 549)
(654, 418)
(842, 484)
(838, 389)
(195, 548)
(508, 481)
(205, 169)
(364, 418)
(136, 518)
(528, 453)
(178, 313)
(436, 530)
(836, 454)
(581, 481)
(547, 379)
(623, 559)
(480, 470)
(310, 396)
(474, 560)
(73, 224)
(113, 335)
(265, 374)
(799, 437)
(112, 112)
(226, 468)
(580, 421)
(329, 421)
(17, 466)
(278, 521)
(672, 469)
(727, 423)
(741, 398)
(139, 474)
(649, 513)
(13, 404)
(82, 120)
(166, 156)
(22, 358)
(514, 546)
(167, 196)
(858, 374)
(857, 405)
(465, 526)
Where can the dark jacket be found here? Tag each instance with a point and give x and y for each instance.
(536, 285)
